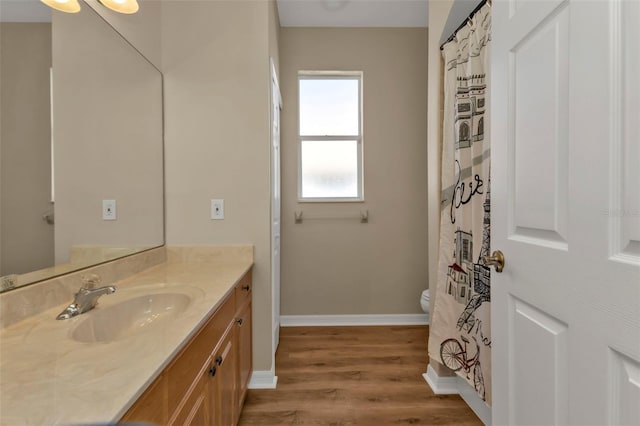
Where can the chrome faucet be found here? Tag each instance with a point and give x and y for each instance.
(86, 298)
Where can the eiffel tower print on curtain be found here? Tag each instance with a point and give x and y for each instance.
(481, 273)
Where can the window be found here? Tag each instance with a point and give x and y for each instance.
(330, 135)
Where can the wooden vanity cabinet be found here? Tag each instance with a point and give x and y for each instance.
(245, 362)
(206, 383)
(196, 409)
(223, 389)
(151, 407)
(243, 337)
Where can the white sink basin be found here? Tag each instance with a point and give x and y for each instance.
(130, 316)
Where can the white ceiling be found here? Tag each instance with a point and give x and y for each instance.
(353, 13)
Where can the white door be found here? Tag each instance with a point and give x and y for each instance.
(565, 193)
(276, 106)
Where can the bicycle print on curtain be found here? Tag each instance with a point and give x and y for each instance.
(460, 333)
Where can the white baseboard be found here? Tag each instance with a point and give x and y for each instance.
(276, 336)
(352, 320)
(448, 385)
(263, 380)
(441, 385)
(469, 395)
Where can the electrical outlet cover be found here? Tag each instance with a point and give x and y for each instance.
(217, 209)
(109, 210)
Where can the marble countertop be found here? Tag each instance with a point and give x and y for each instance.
(47, 377)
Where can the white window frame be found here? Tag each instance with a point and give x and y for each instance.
(326, 75)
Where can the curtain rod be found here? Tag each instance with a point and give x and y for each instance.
(452, 36)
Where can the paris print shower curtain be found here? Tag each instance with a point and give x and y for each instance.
(460, 333)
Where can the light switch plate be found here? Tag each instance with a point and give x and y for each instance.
(109, 210)
(217, 209)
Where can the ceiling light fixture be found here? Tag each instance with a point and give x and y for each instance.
(72, 6)
(69, 6)
(122, 6)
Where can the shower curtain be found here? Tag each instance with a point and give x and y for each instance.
(460, 333)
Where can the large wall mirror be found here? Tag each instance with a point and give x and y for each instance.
(80, 123)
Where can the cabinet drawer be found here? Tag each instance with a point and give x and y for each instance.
(244, 289)
(182, 373)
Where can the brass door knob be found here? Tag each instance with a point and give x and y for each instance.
(496, 259)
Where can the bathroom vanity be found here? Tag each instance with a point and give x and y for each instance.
(172, 345)
(206, 383)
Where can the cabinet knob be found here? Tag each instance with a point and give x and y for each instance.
(246, 287)
(219, 360)
(212, 371)
(239, 322)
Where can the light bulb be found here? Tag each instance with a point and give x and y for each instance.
(121, 6)
(69, 6)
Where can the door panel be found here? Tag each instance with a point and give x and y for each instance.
(565, 212)
(626, 156)
(625, 390)
(539, 138)
(538, 366)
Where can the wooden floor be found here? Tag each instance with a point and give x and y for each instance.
(367, 376)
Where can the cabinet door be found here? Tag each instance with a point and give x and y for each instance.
(244, 351)
(200, 414)
(195, 409)
(222, 392)
(184, 370)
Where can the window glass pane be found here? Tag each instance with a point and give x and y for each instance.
(329, 107)
(329, 169)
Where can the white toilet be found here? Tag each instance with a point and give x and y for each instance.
(424, 301)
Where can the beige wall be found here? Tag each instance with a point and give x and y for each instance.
(142, 29)
(345, 267)
(108, 137)
(216, 67)
(25, 147)
(438, 13)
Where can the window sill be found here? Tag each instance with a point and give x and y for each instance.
(330, 200)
